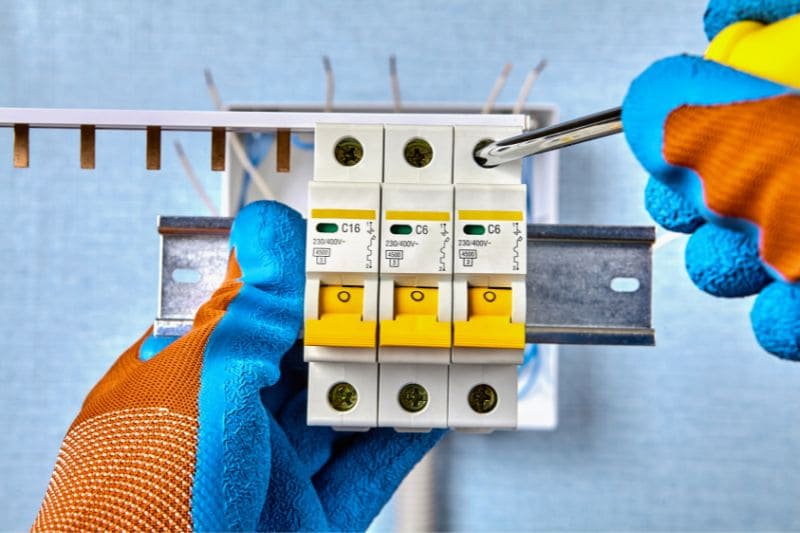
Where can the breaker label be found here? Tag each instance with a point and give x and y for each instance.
(343, 244)
(417, 245)
(490, 245)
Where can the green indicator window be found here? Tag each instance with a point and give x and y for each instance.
(474, 229)
(327, 227)
(400, 229)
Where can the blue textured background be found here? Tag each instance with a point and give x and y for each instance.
(698, 433)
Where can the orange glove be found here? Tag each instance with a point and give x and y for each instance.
(203, 435)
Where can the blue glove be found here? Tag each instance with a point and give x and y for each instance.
(208, 432)
(721, 148)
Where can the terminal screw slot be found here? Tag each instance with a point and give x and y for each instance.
(343, 396)
(348, 151)
(418, 152)
(413, 397)
(482, 398)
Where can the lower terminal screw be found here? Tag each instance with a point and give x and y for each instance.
(343, 396)
(482, 398)
(413, 397)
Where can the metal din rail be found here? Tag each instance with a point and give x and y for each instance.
(585, 284)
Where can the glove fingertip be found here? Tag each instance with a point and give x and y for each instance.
(724, 262)
(669, 209)
(269, 239)
(775, 318)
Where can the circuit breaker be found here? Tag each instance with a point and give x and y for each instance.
(341, 293)
(415, 332)
(488, 286)
(415, 291)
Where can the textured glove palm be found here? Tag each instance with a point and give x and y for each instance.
(209, 433)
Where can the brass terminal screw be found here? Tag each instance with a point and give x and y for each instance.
(482, 398)
(343, 396)
(418, 152)
(413, 397)
(348, 151)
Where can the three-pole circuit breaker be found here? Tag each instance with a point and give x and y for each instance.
(415, 290)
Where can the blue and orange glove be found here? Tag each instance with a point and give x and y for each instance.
(209, 432)
(720, 137)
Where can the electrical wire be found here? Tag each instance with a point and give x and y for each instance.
(395, 80)
(522, 97)
(330, 83)
(499, 83)
(201, 191)
(235, 142)
(666, 238)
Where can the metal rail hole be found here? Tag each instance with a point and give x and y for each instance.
(625, 284)
(186, 275)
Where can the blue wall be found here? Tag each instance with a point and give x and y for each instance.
(698, 433)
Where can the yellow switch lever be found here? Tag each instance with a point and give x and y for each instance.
(416, 320)
(488, 323)
(340, 320)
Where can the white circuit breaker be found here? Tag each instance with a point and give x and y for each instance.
(415, 291)
(488, 286)
(416, 272)
(341, 293)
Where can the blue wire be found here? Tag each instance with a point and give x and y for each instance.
(300, 143)
(533, 359)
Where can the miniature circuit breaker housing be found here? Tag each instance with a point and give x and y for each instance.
(341, 293)
(415, 333)
(488, 285)
(415, 291)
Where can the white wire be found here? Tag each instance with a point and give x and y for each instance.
(522, 97)
(201, 191)
(330, 83)
(394, 78)
(499, 83)
(666, 238)
(236, 144)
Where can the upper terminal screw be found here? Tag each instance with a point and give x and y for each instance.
(482, 398)
(343, 396)
(418, 152)
(478, 147)
(413, 397)
(348, 151)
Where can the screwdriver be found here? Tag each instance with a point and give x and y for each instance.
(550, 138)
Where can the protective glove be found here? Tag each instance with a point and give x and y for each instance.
(720, 137)
(209, 432)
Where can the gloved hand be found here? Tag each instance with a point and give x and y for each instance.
(209, 432)
(721, 138)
